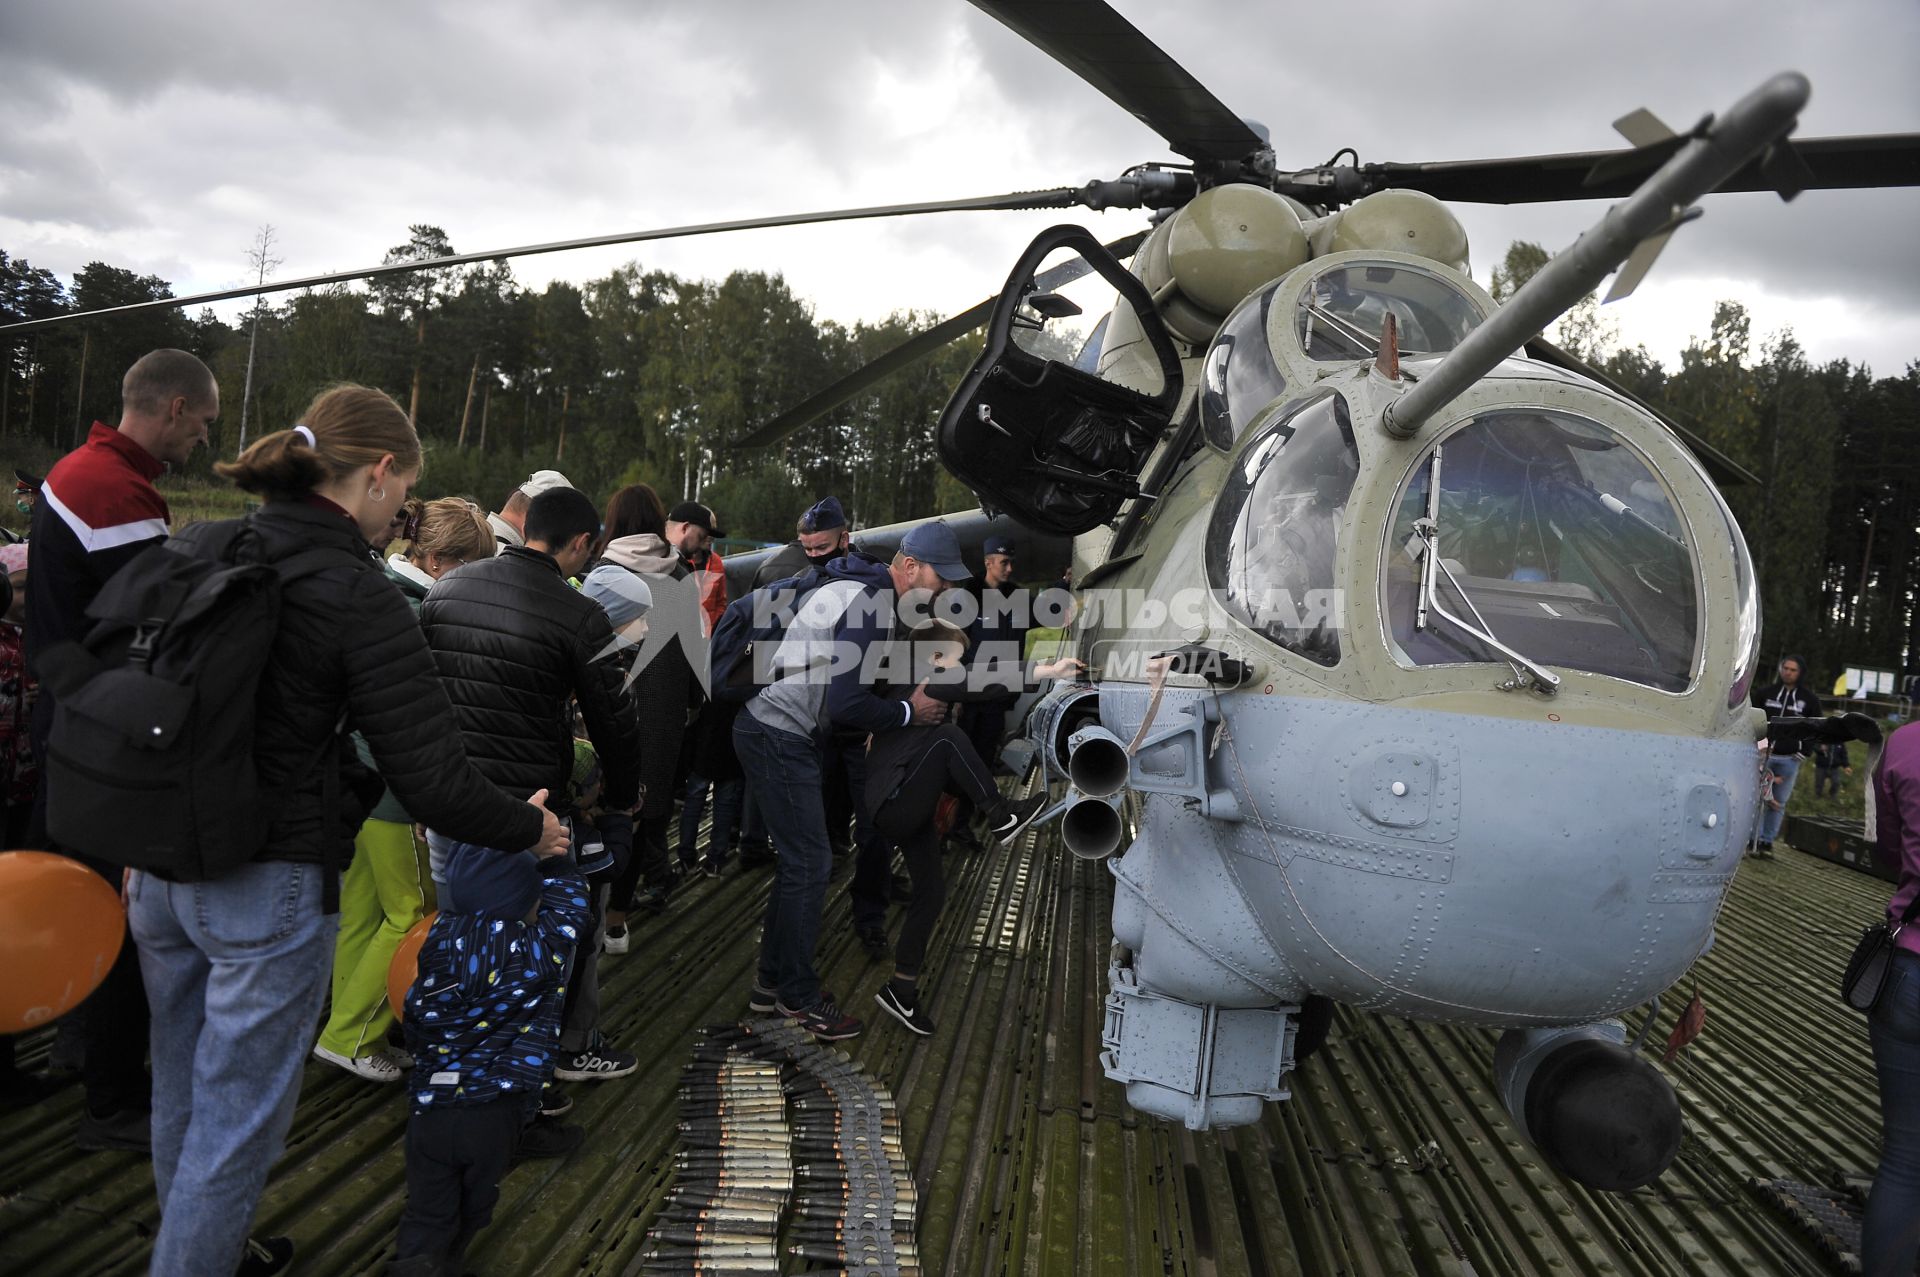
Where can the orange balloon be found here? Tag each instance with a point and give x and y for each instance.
(61, 927)
(406, 964)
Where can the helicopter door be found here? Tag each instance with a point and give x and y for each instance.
(1055, 446)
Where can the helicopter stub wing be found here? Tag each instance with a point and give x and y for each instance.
(1094, 42)
(1039, 554)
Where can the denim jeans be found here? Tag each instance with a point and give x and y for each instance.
(784, 771)
(727, 799)
(236, 970)
(1785, 769)
(1890, 1237)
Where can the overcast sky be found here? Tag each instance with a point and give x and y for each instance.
(161, 136)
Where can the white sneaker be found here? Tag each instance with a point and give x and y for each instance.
(374, 1068)
(401, 1060)
(616, 941)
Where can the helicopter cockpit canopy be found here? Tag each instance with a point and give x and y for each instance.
(1557, 539)
(1239, 378)
(1340, 315)
(1273, 546)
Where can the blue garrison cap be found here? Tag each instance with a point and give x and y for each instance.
(823, 515)
(997, 545)
(935, 545)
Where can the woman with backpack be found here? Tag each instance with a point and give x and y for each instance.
(236, 966)
(384, 892)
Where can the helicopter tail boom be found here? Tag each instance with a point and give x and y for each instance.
(1714, 153)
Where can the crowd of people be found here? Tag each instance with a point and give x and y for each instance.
(492, 726)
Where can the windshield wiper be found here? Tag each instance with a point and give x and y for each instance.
(1368, 343)
(1525, 671)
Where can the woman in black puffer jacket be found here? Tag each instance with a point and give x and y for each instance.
(236, 968)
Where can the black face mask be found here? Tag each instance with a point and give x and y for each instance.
(821, 560)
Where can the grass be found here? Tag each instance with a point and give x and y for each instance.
(1850, 802)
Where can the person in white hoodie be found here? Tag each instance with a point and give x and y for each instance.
(384, 890)
(666, 673)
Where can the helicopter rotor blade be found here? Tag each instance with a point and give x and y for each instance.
(915, 348)
(1094, 42)
(1830, 163)
(1061, 197)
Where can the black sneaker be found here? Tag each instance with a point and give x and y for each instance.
(762, 1001)
(913, 1015)
(555, 1103)
(1018, 815)
(265, 1256)
(547, 1140)
(874, 941)
(709, 867)
(596, 1064)
(129, 1130)
(826, 1021)
(653, 898)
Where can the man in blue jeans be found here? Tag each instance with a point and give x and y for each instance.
(1787, 698)
(820, 684)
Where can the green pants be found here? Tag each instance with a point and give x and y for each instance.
(383, 893)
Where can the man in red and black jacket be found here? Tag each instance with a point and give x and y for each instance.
(98, 509)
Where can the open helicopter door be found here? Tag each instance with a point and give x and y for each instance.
(1055, 447)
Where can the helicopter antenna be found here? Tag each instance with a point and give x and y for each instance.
(1714, 153)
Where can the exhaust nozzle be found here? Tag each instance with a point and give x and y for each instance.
(1096, 762)
(1091, 827)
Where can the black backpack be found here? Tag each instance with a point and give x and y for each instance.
(151, 762)
(735, 676)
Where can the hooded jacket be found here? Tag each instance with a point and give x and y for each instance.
(516, 645)
(664, 688)
(347, 640)
(826, 686)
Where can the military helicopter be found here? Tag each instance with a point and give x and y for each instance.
(1418, 652)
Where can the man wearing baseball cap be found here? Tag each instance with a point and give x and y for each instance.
(692, 529)
(783, 732)
(510, 524)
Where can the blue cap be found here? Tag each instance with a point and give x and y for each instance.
(823, 515)
(997, 545)
(934, 544)
(490, 884)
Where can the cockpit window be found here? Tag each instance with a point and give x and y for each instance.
(1556, 539)
(1272, 547)
(1341, 314)
(1239, 378)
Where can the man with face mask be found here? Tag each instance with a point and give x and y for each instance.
(822, 536)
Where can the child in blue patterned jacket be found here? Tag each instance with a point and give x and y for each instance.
(483, 1022)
